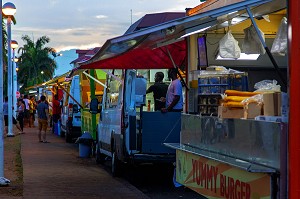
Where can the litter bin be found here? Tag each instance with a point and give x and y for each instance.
(85, 144)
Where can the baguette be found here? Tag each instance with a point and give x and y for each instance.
(240, 93)
(234, 98)
(233, 104)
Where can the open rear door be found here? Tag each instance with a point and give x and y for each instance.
(130, 111)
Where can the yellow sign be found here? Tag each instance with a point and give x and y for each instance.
(214, 179)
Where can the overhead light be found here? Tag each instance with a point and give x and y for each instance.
(32, 91)
(243, 56)
(195, 32)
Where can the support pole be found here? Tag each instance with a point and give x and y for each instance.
(15, 86)
(3, 181)
(171, 58)
(9, 82)
(1, 101)
(282, 78)
(93, 78)
(60, 86)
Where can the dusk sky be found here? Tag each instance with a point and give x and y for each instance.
(74, 24)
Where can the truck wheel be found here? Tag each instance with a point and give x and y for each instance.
(100, 157)
(68, 136)
(115, 165)
(62, 133)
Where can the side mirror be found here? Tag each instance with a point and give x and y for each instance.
(75, 108)
(94, 106)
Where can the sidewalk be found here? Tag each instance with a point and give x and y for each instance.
(54, 170)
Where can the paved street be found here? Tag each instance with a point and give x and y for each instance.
(54, 170)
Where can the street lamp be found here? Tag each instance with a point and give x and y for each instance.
(9, 9)
(14, 45)
(42, 74)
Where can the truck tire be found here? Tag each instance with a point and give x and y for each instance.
(100, 157)
(62, 132)
(115, 165)
(68, 136)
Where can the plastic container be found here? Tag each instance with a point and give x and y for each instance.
(85, 142)
(55, 126)
(84, 151)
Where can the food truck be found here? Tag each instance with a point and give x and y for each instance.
(128, 130)
(219, 156)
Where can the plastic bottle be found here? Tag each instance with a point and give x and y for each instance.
(149, 105)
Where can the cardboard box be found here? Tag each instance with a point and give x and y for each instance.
(272, 104)
(227, 112)
(252, 110)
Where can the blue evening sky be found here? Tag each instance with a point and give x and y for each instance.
(83, 24)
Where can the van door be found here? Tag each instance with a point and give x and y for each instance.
(75, 92)
(130, 111)
(109, 127)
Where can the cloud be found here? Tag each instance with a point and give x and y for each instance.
(72, 25)
(101, 17)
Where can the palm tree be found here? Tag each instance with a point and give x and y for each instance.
(35, 58)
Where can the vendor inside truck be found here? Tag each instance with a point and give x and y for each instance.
(174, 98)
(159, 89)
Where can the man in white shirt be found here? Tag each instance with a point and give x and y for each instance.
(26, 111)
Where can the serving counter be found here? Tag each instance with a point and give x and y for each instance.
(219, 157)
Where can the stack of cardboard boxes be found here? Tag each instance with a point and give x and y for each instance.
(274, 108)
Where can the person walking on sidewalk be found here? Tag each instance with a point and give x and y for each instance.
(56, 111)
(26, 111)
(21, 113)
(43, 117)
(32, 111)
(5, 113)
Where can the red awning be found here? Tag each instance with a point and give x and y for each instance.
(144, 58)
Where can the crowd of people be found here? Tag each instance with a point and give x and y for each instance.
(27, 111)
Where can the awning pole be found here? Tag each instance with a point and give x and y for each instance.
(70, 95)
(171, 58)
(283, 80)
(93, 78)
(112, 75)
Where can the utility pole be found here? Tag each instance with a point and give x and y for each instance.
(131, 16)
(3, 181)
(1, 100)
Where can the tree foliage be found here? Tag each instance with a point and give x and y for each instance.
(35, 58)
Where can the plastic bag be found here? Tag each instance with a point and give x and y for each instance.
(252, 43)
(279, 46)
(267, 86)
(254, 99)
(229, 47)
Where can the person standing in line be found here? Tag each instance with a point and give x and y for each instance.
(32, 111)
(56, 111)
(174, 99)
(43, 117)
(5, 113)
(159, 89)
(26, 111)
(21, 109)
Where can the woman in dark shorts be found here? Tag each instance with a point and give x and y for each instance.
(5, 112)
(20, 118)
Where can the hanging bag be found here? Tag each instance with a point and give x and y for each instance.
(279, 46)
(229, 47)
(252, 43)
